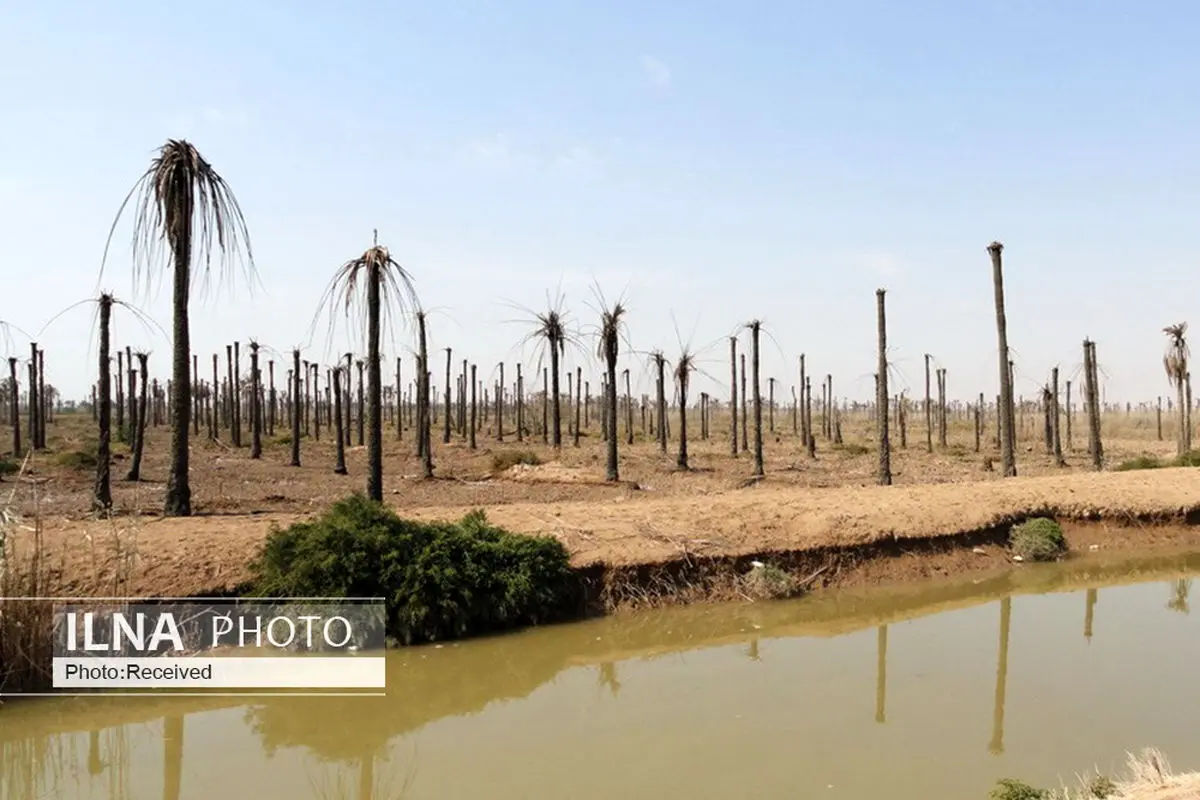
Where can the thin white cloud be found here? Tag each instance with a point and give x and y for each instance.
(207, 118)
(494, 153)
(657, 71)
(224, 117)
(498, 154)
(579, 160)
(883, 265)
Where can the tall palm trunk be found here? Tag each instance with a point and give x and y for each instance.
(34, 399)
(733, 397)
(179, 491)
(361, 418)
(1181, 405)
(446, 421)
(139, 422)
(612, 473)
(375, 388)
(297, 409)
(556, 408)
(102, 496)
(474, 410)
(660, 405)
(14, 406)
(423, 388)
(255, 415)
(578, 402)
(339, 468)
(1007, 438)
(755, 328)
(271, 398)
(682, 460)
(881, 391)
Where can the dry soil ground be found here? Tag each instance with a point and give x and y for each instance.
(655, 514)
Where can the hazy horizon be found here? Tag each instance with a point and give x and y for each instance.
(712, 167)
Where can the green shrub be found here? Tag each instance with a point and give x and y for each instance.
(1190, 459)
(8, 467)
(1038, 539)
(441, 580)
(510, 458)
(82, 459)
(1141, 462)
(1009, 789)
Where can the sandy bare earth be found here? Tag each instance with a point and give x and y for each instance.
(183, 556)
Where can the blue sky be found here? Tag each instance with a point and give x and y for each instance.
(716, 162)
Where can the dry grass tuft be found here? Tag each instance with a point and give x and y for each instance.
(1148, 777)
(26, 645)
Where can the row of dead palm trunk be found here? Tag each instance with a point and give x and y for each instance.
(183, 205)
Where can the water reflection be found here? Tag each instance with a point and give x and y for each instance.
(1179, 595)
(881, 675)
(465, 699)
(996, 745)
(608, 677)
(172, 756)
(1089, 614)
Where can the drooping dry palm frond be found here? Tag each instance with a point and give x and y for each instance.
(347, 290)
(549, 329)
(685, 365)
(609, 335)
(184, 204)
(1175, 360)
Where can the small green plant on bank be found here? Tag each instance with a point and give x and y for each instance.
(1102, 787)
(441, 580)
(1038, 539)
(767, 582)
(510, 458)
(1009, 789)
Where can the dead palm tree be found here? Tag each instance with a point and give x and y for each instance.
(1175, 363)
(102, 496)
(139, 422)
(387, 286)
(1007, 419)
(684, 367)
(183, 203)
(608, 348)
(551, 329)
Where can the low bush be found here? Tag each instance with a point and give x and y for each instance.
(1141, 462)
(1038, 539)
(1009, 789)
(510, 458)
(441, 580)
(82, 459)
(8, 467)
(1190, 459)
(852, 449)
(767, 582)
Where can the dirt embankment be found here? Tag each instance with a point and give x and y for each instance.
(638, 540)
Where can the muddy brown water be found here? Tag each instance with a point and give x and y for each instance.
(925, 691)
